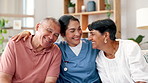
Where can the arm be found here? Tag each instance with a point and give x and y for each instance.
(140, 82)
(5, 78)
(137, 64)
(54, 68)
(51, 80)
(7, 64)
(24, 35)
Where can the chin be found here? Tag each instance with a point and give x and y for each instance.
(47, 46)
(94, 47)
(77, 43)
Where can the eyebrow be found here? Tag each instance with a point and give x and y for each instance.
(72, 29)
(91, 32)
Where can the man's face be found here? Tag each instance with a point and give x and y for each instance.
(48, 33)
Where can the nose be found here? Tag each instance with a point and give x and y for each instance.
(78, 33)
(89, 38)
(51, 37)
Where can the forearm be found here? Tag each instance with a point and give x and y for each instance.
(140, 82)
(51, 80)
(5, 78)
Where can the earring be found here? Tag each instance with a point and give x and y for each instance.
(105, 40)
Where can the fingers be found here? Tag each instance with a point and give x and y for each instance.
(19, 37)
(23, 35)
(14, 38)
(25, 38)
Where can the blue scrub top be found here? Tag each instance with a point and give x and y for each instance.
(81, 68)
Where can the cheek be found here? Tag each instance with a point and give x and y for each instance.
(68, 35)
(80, 32)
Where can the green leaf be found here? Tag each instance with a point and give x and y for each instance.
(71, 4)
(2, 23)
(4, 31)
(139, 39)
(0, 31)
(131, 39)
(1, 37)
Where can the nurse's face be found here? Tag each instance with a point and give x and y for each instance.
(73, 33)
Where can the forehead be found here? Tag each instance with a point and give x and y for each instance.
(94, 31)
(73, 24)
(51, 24)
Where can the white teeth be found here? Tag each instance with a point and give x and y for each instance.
(93, 42)
(76, 38)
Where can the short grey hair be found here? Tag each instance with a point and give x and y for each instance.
(51, 19)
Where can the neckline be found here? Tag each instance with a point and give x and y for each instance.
(115, 52)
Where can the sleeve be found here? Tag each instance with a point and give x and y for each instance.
(54, 68)
(101, 70)
(7, 62)
(137, 63)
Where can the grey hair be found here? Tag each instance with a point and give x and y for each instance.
(50, 19)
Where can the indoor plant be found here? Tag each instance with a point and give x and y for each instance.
(2, 24)
(108, 7)
(71, 7)
(138, 39)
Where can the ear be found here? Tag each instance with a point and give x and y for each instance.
(106, 35)
(37, 26)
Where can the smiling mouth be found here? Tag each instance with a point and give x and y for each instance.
(48, 40)
(93, 42)
(76, 38)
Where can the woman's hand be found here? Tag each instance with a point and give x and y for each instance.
(24, 35)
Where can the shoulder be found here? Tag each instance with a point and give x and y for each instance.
(88, 43)
(55, 47)
(129, 46)
(12, 42)
(55, 50)
(85, 40)
(128, 43)
(61, 44)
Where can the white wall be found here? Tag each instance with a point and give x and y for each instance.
(40, 10)
(55, 8)
(131, 30)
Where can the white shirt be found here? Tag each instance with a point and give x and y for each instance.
(77, 48)
(128, 66)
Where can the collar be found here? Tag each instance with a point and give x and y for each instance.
(29, 45)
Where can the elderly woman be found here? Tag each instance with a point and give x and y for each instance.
(118, 61)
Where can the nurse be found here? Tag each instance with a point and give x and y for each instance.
(78, 58)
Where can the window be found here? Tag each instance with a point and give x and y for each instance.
(28, 9)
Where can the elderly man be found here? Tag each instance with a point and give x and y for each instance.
(37, 60)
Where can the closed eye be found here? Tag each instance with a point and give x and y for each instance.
(49, 30)
(72, 31)
(56, 34)
(91, 33)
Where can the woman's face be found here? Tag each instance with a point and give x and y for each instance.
(97, 39)
(73, 33)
